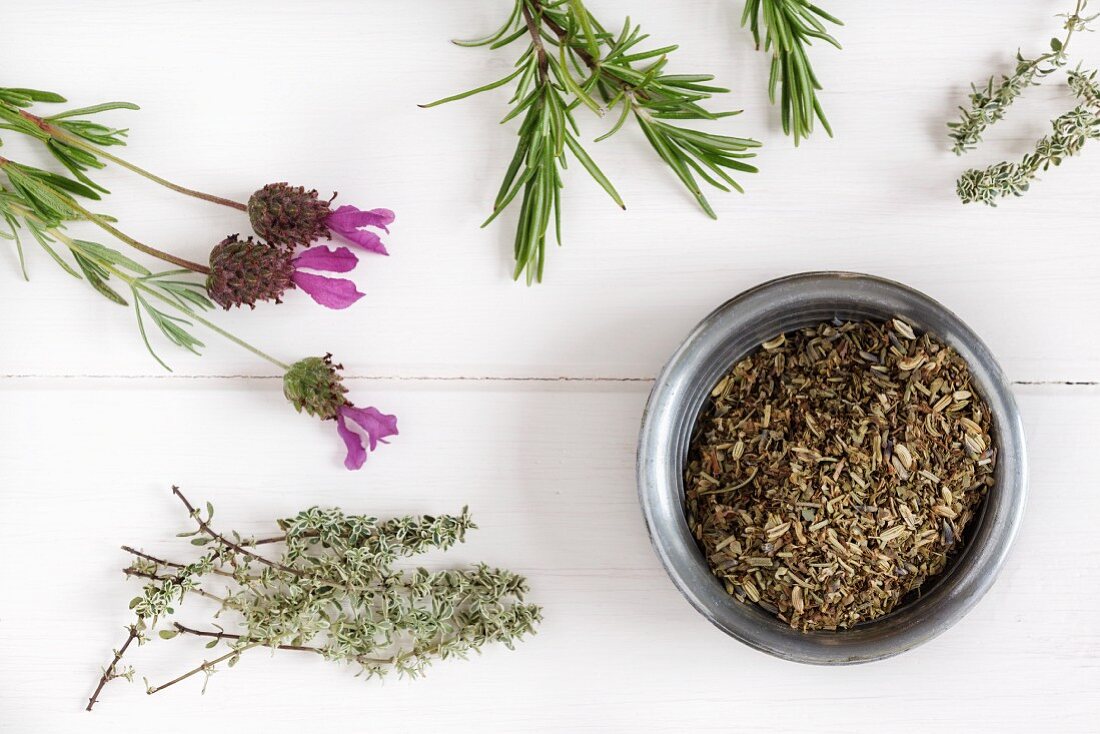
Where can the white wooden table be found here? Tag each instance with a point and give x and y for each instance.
(523, 403)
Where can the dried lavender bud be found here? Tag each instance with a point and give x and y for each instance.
(244, 272)
(313, 384)
(288, 216)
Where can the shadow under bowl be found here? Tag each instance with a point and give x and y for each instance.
(682, 390)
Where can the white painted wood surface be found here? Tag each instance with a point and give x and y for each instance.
(236, 94)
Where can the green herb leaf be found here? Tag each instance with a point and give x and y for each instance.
(614, 70)
(104, 107)
(787, 28)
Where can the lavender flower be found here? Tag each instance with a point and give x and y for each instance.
(375, 425)
(246, 272)
(314, 385)
(291, 216)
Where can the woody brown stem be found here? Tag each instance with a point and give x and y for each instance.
(167, 564)
(278, 538)
(206, 665)
(154, 577)
(110, 673)
(298, 648)
(265, 541)
(536, 39)
(589, 60)
(228, 543)
(228, 636)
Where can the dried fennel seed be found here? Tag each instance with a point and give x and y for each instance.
(835, 470)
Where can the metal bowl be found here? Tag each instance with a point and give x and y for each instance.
(730, 333)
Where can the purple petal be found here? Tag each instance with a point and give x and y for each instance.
(377, 425)
(341, 260)
(367, 240)
(350, 217)
(334, 293)
(347, 220)
(357, 455)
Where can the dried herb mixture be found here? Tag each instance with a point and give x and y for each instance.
(835, 471)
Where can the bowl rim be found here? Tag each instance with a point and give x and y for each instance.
(942, 608)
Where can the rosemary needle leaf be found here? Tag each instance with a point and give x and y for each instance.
(93, 110)
(593, 169)
(26, 97)
(493, 37)
(472, 92)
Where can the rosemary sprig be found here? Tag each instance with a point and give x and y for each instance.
(652, 97)
(789, 28)
(570, 60)
(335, 592)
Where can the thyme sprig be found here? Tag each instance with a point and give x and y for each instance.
(335, 591)
(787, 28)
(990, 103)
(1070, 132)
(571, 60)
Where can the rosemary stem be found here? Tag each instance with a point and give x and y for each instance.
(536, 38)
(630, 93)
(77, 142)
(140, 246)
(590, 61)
